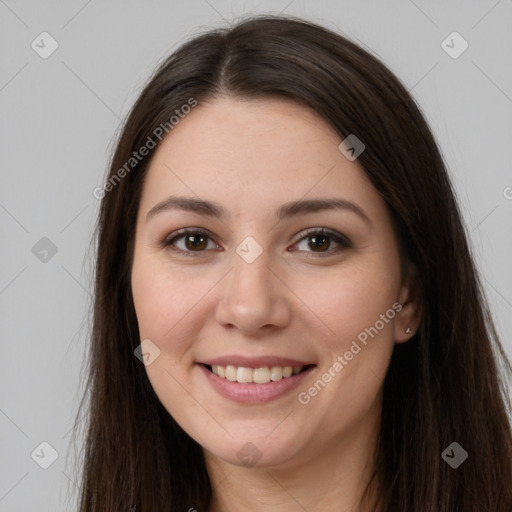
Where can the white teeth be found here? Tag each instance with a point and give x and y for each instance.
(261, 375)
(287, 371)
(244, 374)
(276, 373)
(230, 373)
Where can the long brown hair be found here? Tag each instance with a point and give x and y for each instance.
(444, 385)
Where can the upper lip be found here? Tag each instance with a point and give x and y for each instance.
(253, 362)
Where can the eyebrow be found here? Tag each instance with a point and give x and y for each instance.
(287, 210)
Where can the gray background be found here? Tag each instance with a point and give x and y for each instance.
(58, 120)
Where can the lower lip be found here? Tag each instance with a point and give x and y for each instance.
(251, 393)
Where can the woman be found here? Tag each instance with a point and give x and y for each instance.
(287, 315)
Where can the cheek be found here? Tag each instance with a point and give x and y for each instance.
(165, 301)
(357, 308)
(349, 301)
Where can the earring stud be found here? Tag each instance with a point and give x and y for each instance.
(408, 330)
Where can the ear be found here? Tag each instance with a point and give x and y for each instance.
(409, 316)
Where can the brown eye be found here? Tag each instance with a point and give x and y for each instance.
(188, 241)
(320, 240)
(196, 241)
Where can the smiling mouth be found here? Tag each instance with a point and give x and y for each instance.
(262, 375)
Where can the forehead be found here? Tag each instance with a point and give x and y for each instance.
(254, 154)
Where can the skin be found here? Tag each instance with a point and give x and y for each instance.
(252, 156)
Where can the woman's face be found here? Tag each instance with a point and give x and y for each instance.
(254, 291)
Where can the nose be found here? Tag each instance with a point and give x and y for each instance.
(254, 297)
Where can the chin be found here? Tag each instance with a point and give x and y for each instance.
(254, 451)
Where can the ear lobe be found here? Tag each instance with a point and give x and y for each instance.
(408, 318)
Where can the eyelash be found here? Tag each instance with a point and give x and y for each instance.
(344, 242)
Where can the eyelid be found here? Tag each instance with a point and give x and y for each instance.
(185, 231)
(168, 240)
(339, 238)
